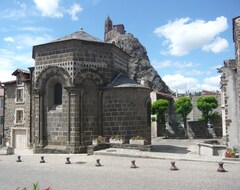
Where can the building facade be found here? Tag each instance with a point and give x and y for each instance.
(78, 89)
(17, 110)
(110, 30)
(82, 90)
(230, 90)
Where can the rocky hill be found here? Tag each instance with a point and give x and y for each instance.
(140, 68)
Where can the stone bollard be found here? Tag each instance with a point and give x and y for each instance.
(19, 159)
(133, 164)
(220, 168)
(173, 167)
(42, 159)
(98, 163)
(68, 160)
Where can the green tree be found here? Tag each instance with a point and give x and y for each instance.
(183, 107)
(159, 107)
(207, 104)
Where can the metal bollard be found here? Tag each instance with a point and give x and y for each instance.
(98, 163)
(173, 167)
(220, 168)
(19, 159)
(133, 164)
(68, 160)
(42, 159)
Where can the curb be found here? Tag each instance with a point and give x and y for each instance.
(224, 160)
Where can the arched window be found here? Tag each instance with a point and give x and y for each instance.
(57, 94)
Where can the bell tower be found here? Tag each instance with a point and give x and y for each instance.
(108, 27)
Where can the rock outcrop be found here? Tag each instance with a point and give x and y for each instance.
(140, 68)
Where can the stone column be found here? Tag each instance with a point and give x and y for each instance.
(41, 117)
(39, 111)
(81, 111)
(73, 121)
(224, 130)
(68, 118)
(100, 118)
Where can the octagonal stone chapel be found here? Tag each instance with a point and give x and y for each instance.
(82, 90)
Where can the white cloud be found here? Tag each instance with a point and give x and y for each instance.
(194, 72)
(19, 47)
(49, 8)
(183, 35)
(26, 41)
(35, 29)
(6, 75)
(13, 14)
(8, 39)
(9, 61)
(74, 10)
(169, 63)
(182, 84)
(95, 2)
(211, 83)
(217, 46)
(161, 64)
(31, 40)
(21, 4)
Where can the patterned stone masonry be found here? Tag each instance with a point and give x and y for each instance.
(98, 57)
(126, 115)
(84, 70)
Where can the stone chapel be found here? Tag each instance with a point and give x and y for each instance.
(81, 89)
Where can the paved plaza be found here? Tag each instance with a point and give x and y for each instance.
(153, 172)
(114, 174)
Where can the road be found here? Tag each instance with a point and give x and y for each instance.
(115, 173)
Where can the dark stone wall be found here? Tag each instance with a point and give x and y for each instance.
(125, 112)
(88, 109)
(90, 112)
(55, 131)
(75, 56)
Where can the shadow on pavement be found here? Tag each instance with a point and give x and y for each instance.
(170, 149)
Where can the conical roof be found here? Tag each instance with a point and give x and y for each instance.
(123, 81)
(79, 35)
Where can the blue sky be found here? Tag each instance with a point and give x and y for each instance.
(186, 40)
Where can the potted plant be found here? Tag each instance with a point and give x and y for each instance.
(98, 140)
(232, 153)
(116, 139)
(139, 140)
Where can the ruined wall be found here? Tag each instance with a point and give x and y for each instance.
(236, 38)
